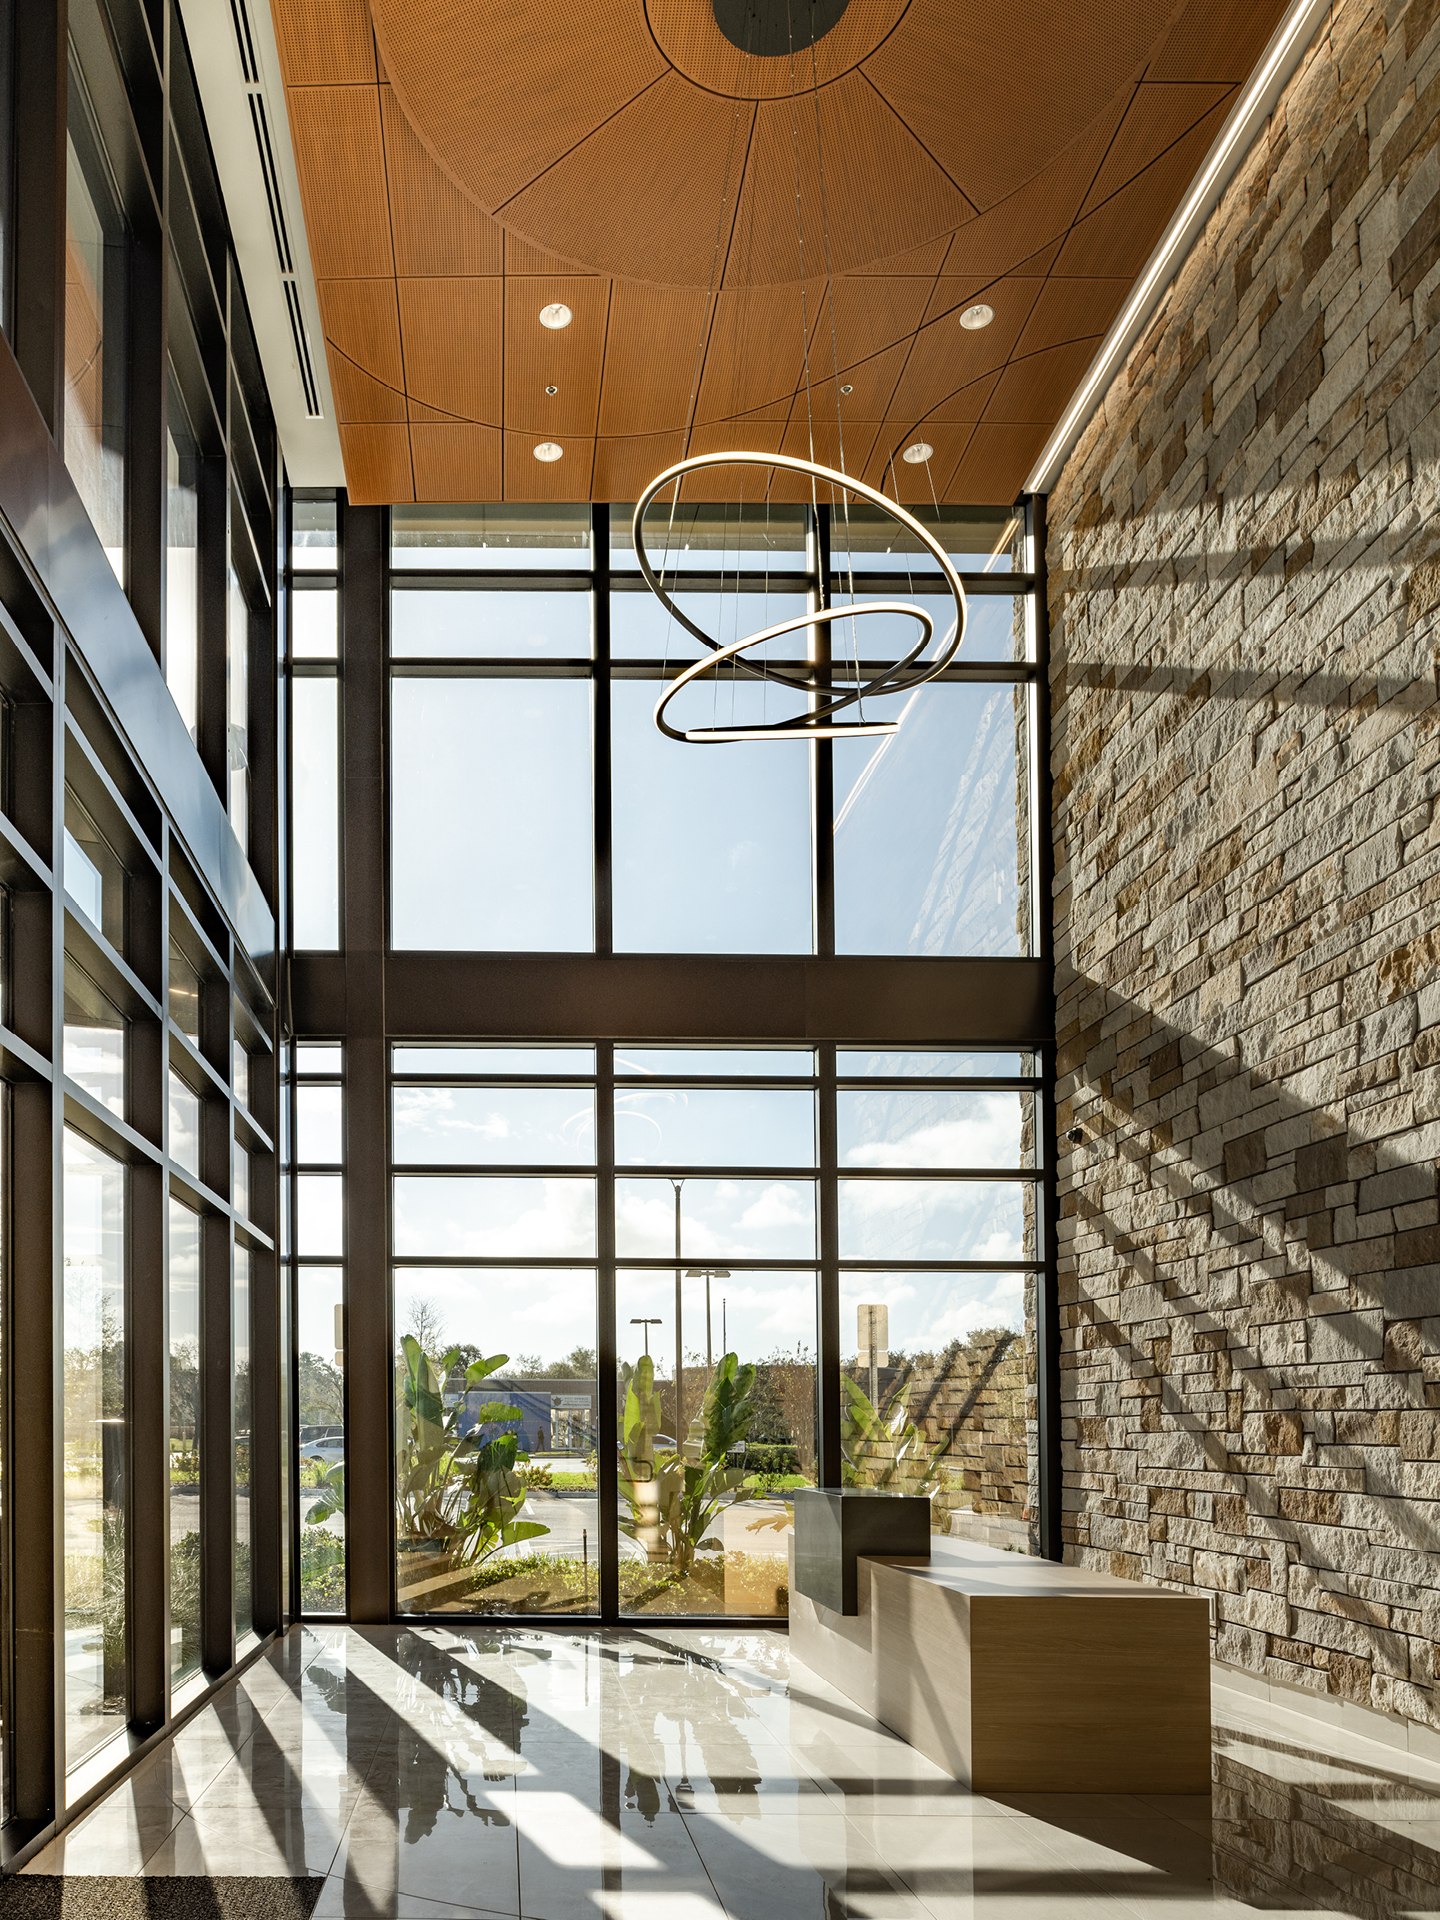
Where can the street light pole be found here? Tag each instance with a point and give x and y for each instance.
(679, 1342)
(707, 1274)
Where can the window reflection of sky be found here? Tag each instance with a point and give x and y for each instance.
(933, 1220)
(720, 1219)
(929, 1310)
(516, 1126)
(929, 1127)
(438, 625)
(927, 852)
(494, 1215)
(711, 844)
(733, 1126)
(491, 839)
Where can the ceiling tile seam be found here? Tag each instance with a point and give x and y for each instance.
(711, 311)
(600, 383)
(1000, 372)
(895, 112)
(497, 210)
(1225, 101)
(403, 394)
(395, 277)
(943, 489)
(718, 279)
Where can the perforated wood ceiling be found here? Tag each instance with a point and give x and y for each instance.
(465, 162)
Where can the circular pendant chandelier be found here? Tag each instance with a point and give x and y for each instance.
(819, 722)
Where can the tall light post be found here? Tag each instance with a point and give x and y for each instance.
(647, 1324)
(707, 1274)
(679, 1310)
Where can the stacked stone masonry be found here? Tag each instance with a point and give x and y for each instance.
(1244, 561)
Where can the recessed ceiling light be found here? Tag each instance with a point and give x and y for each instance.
(847, 389)
(976, 317)
(919, 453)
(547, 450)
(552, 389)
(556, 315)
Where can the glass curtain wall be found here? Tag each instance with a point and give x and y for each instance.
(96, 301)
(185, 1536)
(510, 653)
(319, 1238)
(96, 1679)
(314, 724)
(717, 1198)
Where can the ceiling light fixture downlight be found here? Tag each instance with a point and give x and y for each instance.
(548, 451)
(919, 453)
(556, 315)
(976, 317)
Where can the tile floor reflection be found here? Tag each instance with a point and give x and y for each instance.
(673, 1774)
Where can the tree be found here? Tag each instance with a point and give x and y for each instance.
(322, 1392)
(578, 1364)
(426, 1325)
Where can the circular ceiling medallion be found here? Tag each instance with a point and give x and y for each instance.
(548, 451)
(775, 29)
(708, 43)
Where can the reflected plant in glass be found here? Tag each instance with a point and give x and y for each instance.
(458, 1494)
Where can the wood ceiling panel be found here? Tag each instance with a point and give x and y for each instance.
(857, 445)
(358, 395)
(571, 359)
(1071, 310)
(1155, 119)
(1214, 40)
(455, 461)
(645, 192)
(1027, 90)
(1036, 388)
(946, 357)
(620, 162)
(521, 257)
(324, 42)
(882, 191)
(625, 465)
(651, 357)
(1002, 238)
(360, 320)
(992, 469)
(567, 478)
(1118, 237)
(377, 465)
(453, 331)
(436, 229)
(340, 158)
(886, 470)
(502, 94)
(756, 352)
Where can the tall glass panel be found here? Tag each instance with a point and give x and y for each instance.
(94, 1040)
(94, 1440)
(237, 706)
(313, 539)
(491, 814)
(240, 1317)
(184, 1441)
(711, 844)
(95, 304)
(315, 811)
(454, 625)
(706, 1473)
(930, 853)
(495, 1403)
(490, 537)
(321, 1327)
(182, 603)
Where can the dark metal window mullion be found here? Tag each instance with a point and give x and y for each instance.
(600, 595)
(607, 1420)
(828, 1385)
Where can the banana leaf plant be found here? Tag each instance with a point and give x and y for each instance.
(884, 1448)
(672, 1510)
(455, 1490)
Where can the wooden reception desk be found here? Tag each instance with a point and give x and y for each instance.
(1020, 1676)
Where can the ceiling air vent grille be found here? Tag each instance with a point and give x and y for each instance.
(275, 200)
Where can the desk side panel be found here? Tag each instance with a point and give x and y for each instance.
(1091, 1695)
(923, 1664)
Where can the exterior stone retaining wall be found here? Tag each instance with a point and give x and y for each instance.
(1245, 613)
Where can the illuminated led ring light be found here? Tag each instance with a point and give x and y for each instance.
(818, 723)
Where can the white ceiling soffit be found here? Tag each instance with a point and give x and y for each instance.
(1232, 143)
(232, 44)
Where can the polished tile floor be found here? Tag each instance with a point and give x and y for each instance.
(682, 1773)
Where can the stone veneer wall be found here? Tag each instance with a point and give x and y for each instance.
(1245, 606)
